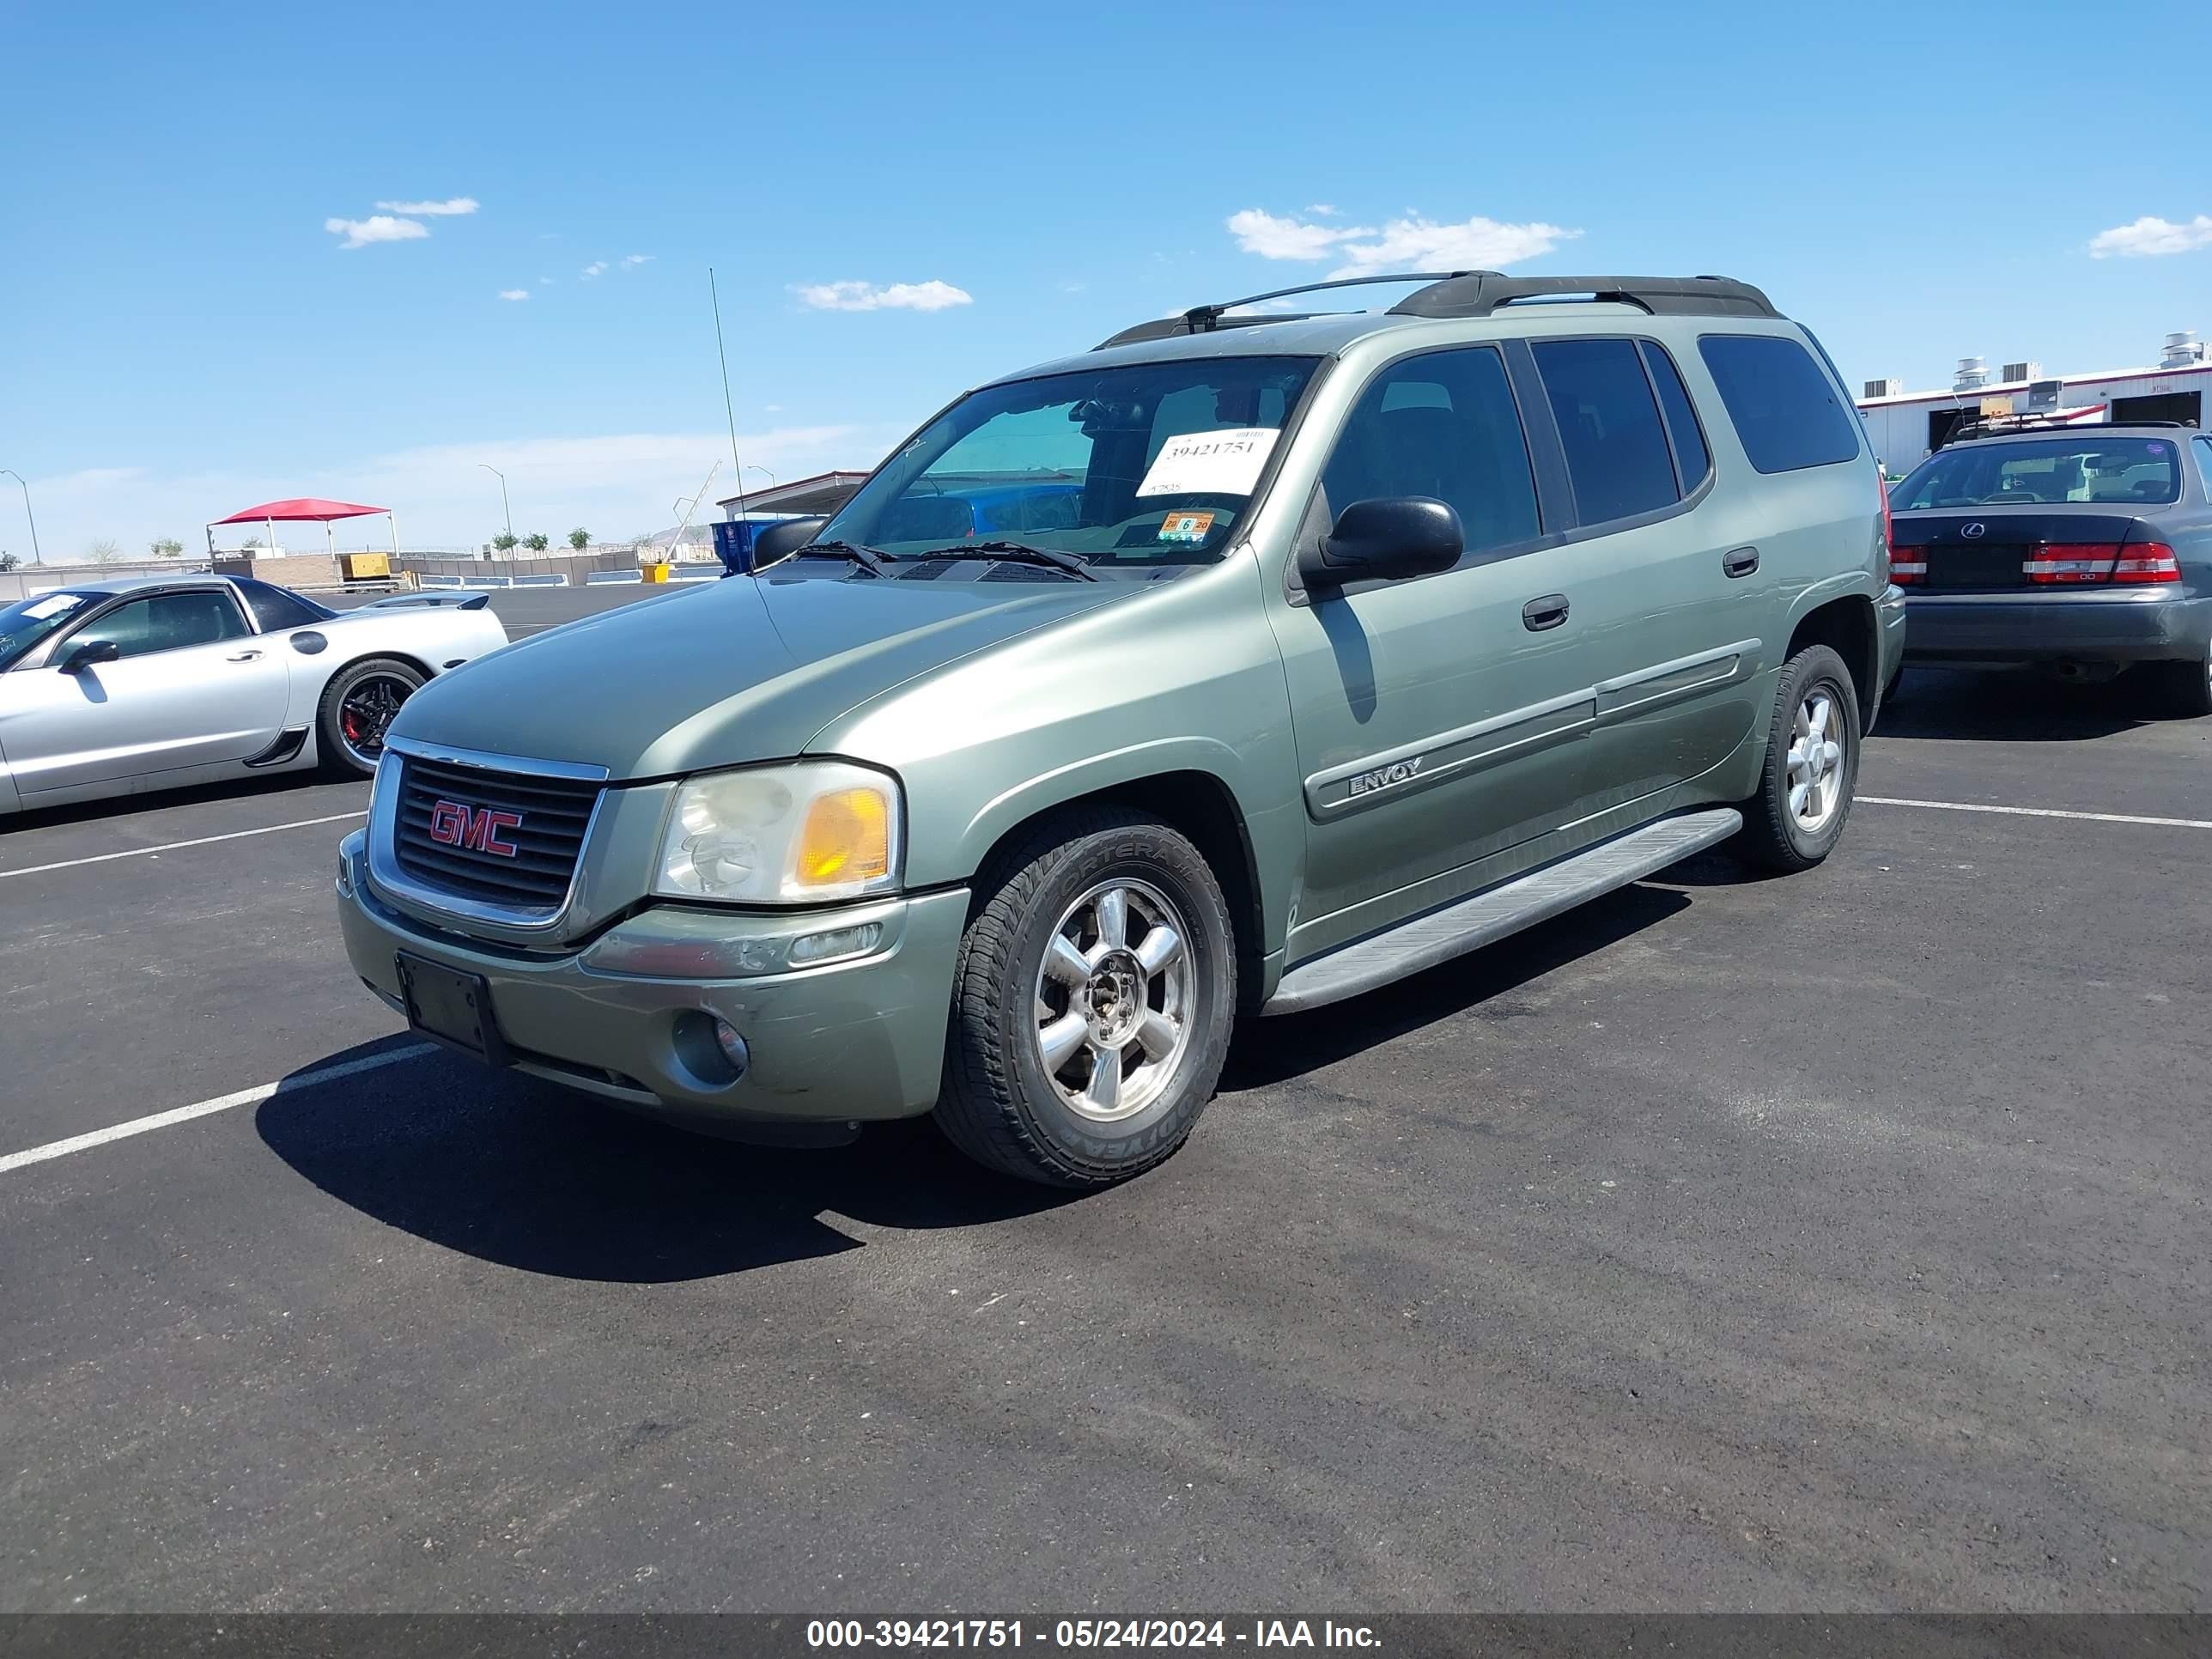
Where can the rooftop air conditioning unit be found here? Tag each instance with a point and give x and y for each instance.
(2027, 370)
(1884, 388)
(1972, 376)
(2183, 349)
(2042, 396)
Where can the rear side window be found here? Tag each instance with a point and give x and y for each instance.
(275, 609)
(1444, 424)
(2205, 462)
(1691, 460)
(1616, 454)
(1785, 410)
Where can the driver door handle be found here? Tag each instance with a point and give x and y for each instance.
(243, 656)
(1549, 611)
(1739, 561)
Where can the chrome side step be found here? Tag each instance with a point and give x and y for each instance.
(1471, 923)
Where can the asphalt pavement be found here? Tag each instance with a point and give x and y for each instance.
(1834, 1242)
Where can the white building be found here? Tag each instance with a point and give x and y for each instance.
(1907, 427)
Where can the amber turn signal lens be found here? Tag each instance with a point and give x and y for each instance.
(847, 838)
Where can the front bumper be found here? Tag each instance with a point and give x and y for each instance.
(2119, 625)
(849, 1041)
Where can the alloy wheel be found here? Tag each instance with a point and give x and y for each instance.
(1113, 999)
(367, 714)
(1816, 759)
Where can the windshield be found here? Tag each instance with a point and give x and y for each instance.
(27, 622)
(1148, 465)
(2081, 467)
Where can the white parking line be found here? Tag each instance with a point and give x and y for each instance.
(2038, 812)
(171, 846)
(139, 1125)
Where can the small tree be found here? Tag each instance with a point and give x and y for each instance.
(504, 542)
(536, 541)
(579, 538)
(168, 548)
(106, 551)
(8, 561)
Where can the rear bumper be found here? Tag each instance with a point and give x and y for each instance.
(846, 1041)
(2117, 626)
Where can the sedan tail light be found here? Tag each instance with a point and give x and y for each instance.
(2147, 561)
(2071, 561)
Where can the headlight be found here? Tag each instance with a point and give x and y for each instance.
(782, 835)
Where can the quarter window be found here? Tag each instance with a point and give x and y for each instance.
(274, 608)
(2204, 447)
(1444, 425)
(165, 622)
(1609, 422)
(1691, 461)
(1787, 412)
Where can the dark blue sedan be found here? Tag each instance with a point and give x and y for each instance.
(2081, 549)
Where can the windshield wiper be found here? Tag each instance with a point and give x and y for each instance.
(867, 557)
(1014, 552)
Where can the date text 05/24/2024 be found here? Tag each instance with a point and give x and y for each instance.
(900, 1633)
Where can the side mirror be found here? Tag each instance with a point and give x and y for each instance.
(1391, 539)
(779, 541)
(90, 653)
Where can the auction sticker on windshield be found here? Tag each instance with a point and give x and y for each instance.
(1225, 463)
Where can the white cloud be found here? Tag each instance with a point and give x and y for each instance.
(866, 296)
(593, 269)
(433, 210)
(1408, 243)
(631, 261)
(544, 282)
(2148, 237)
(514, 293)
(377, 228)
(1271, 237)
(773, 408)
(1322, 211)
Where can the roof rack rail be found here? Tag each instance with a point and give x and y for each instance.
(1454, 294)
(1482, 292)
(1204, 319)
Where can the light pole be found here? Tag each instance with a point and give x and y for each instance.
(37, 557)
(503, 507)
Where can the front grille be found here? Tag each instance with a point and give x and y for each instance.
(555, 813)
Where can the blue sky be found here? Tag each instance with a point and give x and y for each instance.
(181, 334)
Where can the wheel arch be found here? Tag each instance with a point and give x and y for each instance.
(1846, 624)
(1194, 800)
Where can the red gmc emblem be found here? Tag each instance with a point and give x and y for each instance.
(478, 828)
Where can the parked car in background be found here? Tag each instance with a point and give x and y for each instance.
(2083, 549)
(1346, 644)
(111, 688)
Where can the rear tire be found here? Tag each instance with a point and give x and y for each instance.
(2184, 688)
(1812, 767)
(357, 707)
(1093, 1003)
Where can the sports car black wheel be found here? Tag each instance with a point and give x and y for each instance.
(359, 705)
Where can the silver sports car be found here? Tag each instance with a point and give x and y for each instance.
(109, 688)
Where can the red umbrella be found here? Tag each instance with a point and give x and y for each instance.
(308, 509)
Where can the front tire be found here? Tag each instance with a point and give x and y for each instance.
(357, 709)
(1812, 766)
(1092, 1004)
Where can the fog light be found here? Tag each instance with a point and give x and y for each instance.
(732, 1046)
(836, 943)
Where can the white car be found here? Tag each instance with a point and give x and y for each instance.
(110, 688)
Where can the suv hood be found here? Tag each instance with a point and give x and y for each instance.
(745, 670)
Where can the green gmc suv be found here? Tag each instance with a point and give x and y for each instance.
(1247, 662)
